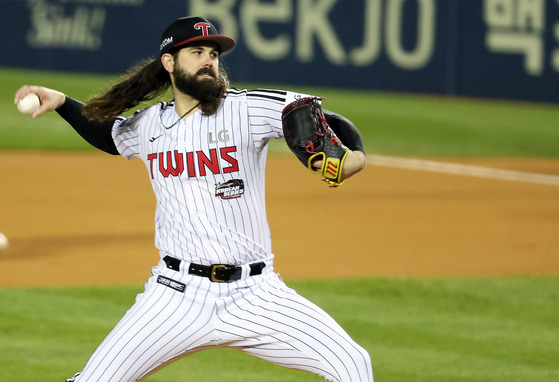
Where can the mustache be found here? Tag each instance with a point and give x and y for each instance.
(209, 71)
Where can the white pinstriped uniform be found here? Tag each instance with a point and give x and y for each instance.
(207, 173)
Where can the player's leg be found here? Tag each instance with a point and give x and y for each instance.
(161, 326)
(273, 322)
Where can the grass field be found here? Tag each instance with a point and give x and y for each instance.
(436, 330)
(392, 124)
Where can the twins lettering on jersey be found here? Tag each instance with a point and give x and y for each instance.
(195, 163)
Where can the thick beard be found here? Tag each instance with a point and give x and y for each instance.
(209, 91)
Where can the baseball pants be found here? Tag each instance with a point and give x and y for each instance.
(258, 315)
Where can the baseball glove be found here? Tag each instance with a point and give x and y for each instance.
(309, 137)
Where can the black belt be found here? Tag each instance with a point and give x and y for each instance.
(220, 273)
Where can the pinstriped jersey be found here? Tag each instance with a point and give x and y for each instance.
(207, 173)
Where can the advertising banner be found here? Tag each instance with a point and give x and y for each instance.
(480, 48)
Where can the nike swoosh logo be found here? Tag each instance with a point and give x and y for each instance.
(154, 138)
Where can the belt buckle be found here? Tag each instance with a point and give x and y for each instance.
(213, 275)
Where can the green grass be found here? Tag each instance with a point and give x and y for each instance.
(391, 124)
(436, 330)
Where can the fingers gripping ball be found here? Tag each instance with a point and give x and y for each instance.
(309, 137)
(29, 103)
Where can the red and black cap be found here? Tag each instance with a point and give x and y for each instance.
(191, 29)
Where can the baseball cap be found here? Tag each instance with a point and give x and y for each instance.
(191, 29)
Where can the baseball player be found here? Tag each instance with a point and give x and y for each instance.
(205, 155)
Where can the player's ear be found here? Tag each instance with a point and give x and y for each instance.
(168, 62)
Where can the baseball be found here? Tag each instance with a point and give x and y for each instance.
(29, 103)
(3, 242)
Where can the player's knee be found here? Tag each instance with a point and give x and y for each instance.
(351, 364)
(361, 367)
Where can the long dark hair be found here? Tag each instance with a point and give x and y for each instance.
(141, 83)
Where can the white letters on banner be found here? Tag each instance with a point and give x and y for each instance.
(301, 30)
(52, 26)
(517, 27)
(253, 13)
(315, 26)
(423, 51)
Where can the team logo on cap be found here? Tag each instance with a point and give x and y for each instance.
(203, 27)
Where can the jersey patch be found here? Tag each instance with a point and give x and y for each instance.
(233, 188)
(179, 287)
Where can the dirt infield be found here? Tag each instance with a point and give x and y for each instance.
(87, 218)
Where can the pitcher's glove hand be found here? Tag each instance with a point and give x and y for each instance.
(310, 138)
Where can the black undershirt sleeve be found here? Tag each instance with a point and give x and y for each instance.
(97, 134)
(345, 130)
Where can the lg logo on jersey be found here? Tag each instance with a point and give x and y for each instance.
(174, 163)
(222, 136)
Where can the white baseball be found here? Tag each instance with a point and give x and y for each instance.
(29, 103)
(3, 242)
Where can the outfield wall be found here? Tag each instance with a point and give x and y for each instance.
(482, 48)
